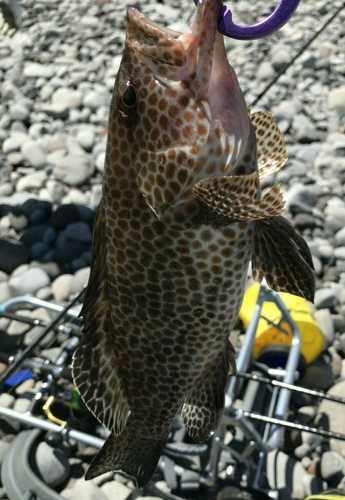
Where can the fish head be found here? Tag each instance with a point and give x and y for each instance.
(178, 114)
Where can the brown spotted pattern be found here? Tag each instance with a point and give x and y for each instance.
(167, 278)
(271, 148)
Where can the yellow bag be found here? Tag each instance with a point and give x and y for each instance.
(328, 495)
(312, 340)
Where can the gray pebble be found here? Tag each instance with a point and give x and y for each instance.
(19, 112)
(15, 159)
(335, 417)
(56, 190)
(324, 320)
(7, 400)
(277, 465)
(6, 189)
(86, 490)
(100, 161)
(86, 138)
(61, 287)
(302, 451)
(59, 110)
(115, 490)
(32, 181)
(15, 142)
(5, 292)
(336, 100)
(318, 375)
(71, 98)
(29, 281)
(80, 279)
(79, 231)
(306, 414)
(52, 465)
(23, 403)
(93, 100)
(35, 154)
(96, 194)
(36, 70)
(74, 170)
(25, 386)
(332, 467)
(18, 328)
(44, 293)
(340, 237)
(339, 253)
(325, 297)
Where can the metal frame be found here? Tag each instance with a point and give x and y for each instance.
(262, 443)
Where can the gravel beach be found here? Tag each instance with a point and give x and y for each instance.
(56, 79)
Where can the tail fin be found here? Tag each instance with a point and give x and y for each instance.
(135, 455)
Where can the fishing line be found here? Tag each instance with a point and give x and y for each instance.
(298, 54)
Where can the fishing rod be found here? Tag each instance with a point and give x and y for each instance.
(297, 55)
(17, 363)
(294, 388)
(75, 330)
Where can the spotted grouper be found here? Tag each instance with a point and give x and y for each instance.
(180, 218)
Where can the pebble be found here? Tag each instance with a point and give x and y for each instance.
(335, 417)
(52, 465)
(22, 404)
(12, 255)
(79, 231)
(31, 182)
(339, 237)
(86, 490)
(5, 292)
(36, 70)
(336, 100)
(325, 298)
(7, 400)
(324, 320)
(61, 287)
(115, 490)
(332, 467)
(14, 143)
(76, 176)
(34, 154)
(70, 97)
(30, 281)
(277, 465)
(318, 375)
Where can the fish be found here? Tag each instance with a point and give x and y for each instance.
(180, 218)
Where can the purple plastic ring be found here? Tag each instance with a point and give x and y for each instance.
(272, 23)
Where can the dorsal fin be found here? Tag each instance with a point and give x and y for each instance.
(271, 148)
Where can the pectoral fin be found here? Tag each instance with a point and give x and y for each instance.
(283, 258)
(271, 148)
(236, 198)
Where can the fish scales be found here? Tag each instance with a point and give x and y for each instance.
(180, 218)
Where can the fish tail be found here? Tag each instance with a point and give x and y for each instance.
(135, 455)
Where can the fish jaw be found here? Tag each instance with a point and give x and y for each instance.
(190, 120)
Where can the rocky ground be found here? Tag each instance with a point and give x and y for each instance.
(57, 75)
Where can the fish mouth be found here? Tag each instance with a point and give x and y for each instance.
(169, 54)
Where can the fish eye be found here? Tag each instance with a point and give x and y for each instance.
(127, 98)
